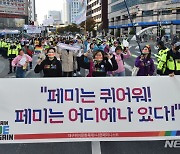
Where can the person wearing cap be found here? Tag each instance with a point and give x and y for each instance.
(170, 61)
(18, 45)
(12, 53)
(6, 46)
(112, 49)
(105, 46)
(161, 50)
(145, 62)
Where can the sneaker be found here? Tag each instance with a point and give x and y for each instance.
(74, 74)
(9, 72)
(79, 73)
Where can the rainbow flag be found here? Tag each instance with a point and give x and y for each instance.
(38, 49)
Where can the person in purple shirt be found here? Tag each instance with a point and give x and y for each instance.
(145, 62)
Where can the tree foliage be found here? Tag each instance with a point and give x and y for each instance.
(73, 28)
(90, 24)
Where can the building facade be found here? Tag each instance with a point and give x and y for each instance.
(66, 12)
(32, 12)
(144, 13)
(56, 16)
(74, 9)
(13, 14)
(70, 11)
(98, 10)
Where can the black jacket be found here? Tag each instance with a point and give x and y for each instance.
(50, 68)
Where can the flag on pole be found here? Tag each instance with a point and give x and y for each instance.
(81, 16)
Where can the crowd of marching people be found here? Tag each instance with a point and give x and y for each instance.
(66, 57)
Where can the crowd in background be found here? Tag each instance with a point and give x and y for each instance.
(100, 57)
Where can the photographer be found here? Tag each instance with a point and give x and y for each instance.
(145, 62)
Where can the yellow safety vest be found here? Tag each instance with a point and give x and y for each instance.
(160, 54)
(167, 62)
(12, 52)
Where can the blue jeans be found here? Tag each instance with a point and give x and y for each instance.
(120, 74)
(20, 72)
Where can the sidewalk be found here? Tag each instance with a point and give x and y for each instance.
(4, 68)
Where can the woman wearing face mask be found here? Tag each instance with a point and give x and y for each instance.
(51, 66)
(99, 64)
(145, 62)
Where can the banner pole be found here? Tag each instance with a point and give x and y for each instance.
(96, 147)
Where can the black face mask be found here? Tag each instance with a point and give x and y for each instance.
(177, 48)
(97, 61)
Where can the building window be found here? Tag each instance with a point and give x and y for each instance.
(166, 12)
(147, 13)
(178, 11)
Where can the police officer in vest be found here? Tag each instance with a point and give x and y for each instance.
(12, 53)
(170, 61)
(6, 47)
(1, 50)
(162, 49)
(18, 45)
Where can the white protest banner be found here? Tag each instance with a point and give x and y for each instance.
(68, 47)
(31, 29)
(89, 109)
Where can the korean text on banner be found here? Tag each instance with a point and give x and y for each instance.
(80, 109)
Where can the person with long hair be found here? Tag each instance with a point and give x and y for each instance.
(99, 64)
(145, 62)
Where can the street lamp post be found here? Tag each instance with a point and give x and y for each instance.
(159, 14)
(137, 39)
